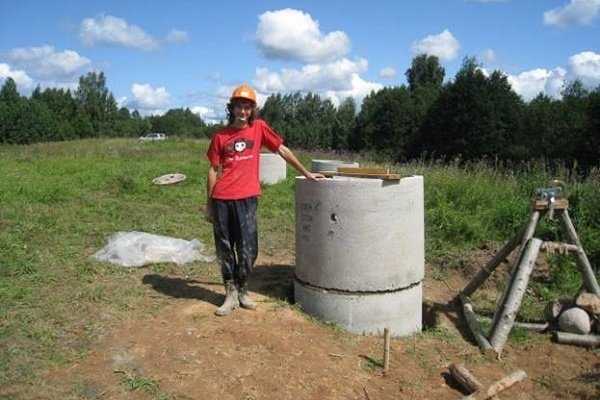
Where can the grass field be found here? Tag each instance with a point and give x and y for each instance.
(60, 201)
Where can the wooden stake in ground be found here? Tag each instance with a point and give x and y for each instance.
(498, 386)
(506, 314)
(386, 350)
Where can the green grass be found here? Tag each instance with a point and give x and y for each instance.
(59, 202)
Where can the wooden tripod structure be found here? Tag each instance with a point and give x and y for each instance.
(528, 250)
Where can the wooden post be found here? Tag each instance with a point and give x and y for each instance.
(465, 378)
(474, 325)
(487, 270)
(584, 264)
(498, 386)
(386, 350)
(577, 340)
(507, 312)
(529, 232)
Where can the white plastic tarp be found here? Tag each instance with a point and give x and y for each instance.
(136, 249)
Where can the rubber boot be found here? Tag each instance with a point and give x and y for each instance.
(231, 300)
(245, 300)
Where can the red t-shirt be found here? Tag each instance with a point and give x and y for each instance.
(238, 152)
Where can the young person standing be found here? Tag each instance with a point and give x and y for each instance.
(233, 193)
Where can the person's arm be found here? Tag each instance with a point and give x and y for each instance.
(288, 156)
(211, 180)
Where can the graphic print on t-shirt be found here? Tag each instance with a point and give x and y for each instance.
(238, 146)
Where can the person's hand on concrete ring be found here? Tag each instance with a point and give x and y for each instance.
(315, 176)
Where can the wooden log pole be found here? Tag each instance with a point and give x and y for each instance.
(386, 350)
(498, 386)
(561, 248)
(489, 268)
(474, 325)
(527, 235)
(533, 326)
(465, 378)
(587, 272)
(505, 315)
(577, 340)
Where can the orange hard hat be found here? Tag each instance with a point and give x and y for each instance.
(244, 91)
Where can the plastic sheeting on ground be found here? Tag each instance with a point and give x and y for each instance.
(136, 249)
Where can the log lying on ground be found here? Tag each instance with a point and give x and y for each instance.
(530, 326)
(577, 340)
(498, 386)
(465, 378)
(533, 326)
(474, 325)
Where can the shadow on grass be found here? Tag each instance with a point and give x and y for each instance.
(431, 317)
(182, 288)
(274, 281)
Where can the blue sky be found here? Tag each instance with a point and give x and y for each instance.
(161, 55)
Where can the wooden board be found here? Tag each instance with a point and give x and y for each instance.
(385, 177)
(559, 204)
(359, 170)
(374, 173)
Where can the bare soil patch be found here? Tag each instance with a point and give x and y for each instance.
(278, 352)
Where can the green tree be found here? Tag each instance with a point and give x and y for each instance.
(12, 113)
(425, 70)
(345, 119)
(385, 124)
(474, 116)
(96, 101)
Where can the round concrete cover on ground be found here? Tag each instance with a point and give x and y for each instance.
(169, 179)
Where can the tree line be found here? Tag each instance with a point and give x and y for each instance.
(475, 115)
(89, 111)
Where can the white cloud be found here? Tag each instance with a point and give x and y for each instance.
(335, 80)
(122, 101)
(177, 36)
(359, 89)
(311, 77)
(293, 35)
(149, 100)
(47, 63)
(208, 114)
(113, 30)
(585, 66)
(444, 46)
(488, 56)
(580, 12)
(387, 73)
(531, 83)
(23, 81)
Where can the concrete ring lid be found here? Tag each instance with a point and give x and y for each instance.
(169, 179)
